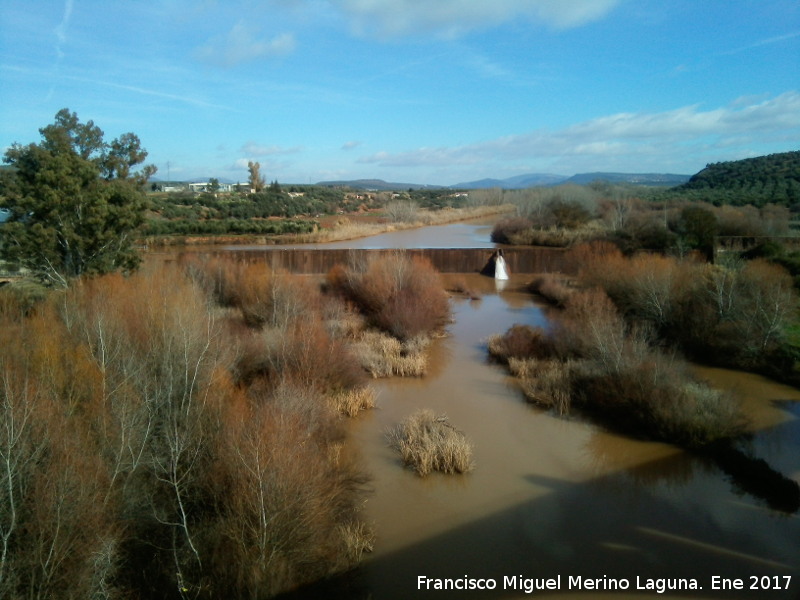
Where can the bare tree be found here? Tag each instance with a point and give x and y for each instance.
(257, 181)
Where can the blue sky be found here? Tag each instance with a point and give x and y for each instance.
(422, 91)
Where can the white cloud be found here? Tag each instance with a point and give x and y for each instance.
(681, 136)
(451, 18)
(242, 44)
(351, 145)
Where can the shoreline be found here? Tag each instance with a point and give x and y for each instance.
(344, 229)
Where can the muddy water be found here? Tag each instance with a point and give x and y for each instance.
(553, 498)
(472, 234)
(556, 497)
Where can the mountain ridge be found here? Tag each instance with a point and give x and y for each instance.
(523, 181)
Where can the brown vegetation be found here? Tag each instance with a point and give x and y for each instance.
(737, 315)
(593, 360)
(556, 289)
(401, 296)
(427, 443)
(137, 461)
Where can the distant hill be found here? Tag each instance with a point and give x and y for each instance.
(774, 178)
(547, 179)
(650, 179)
(376, 184)
(513, 183)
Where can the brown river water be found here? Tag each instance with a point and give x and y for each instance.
(560, 503)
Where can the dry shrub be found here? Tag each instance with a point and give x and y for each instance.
(138, 465)
(59, 537)
(544, 382)
(507, 229)
(382, 355)
(520, 341)
(617, 376)
(341, 320)
(553, 288)
(263, 297)
(591, 327)
(427, 443)
(18, 300)
(595, 262)
(289, 506)
(658, 398)
(229, 282)
(402, 296)
(403, 211)
(304, 352)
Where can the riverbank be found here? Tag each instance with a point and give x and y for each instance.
(344, 227)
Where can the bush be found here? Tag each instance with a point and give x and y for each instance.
(402, 211)
(303, 354)
(382, 355)
(427, 442)
(520, 342)
(552, 288)
(505, 230)
(401, 296)
(544, 382)
(596, 363)
(288, 500)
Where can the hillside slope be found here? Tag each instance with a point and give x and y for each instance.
(774, 178)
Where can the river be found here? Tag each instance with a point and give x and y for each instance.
(559, 501)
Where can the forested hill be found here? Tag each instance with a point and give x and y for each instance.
(765, 179)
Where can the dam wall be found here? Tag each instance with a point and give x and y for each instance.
(446, 260)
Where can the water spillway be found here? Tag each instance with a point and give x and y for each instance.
(309, 261)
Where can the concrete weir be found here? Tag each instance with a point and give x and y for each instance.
(446, 260)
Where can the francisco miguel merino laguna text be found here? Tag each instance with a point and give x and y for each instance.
(573, 582)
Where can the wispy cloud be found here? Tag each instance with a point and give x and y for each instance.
(61, 29)
(194, 101)
(765, 42)
(256, 150)
(243, 43)
(623, 137)
(61, 38)
(352, 145)
(452, 18)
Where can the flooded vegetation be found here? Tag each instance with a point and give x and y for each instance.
(286, 394)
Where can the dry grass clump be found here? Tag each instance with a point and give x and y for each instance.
(382, 355)
(427, 443)
(341, 321)
(353, 401)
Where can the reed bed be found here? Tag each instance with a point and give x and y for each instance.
(427, 442)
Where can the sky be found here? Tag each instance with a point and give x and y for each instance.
(413, 91)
